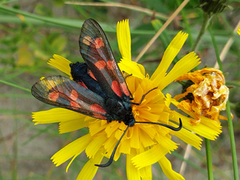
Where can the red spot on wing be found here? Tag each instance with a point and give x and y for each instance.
(116, 88)
(99, 43)
(74, 95)
(109, 64)
(91, 74)
(112, 64)
(82, 84)
(123, 85)
(74, 104)
(53, 96)
(125, 89)
(97, 108)
(100, 65)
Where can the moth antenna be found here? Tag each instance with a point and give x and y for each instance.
(113, 153)
(127, 76)
(144, 96)
(165, 125)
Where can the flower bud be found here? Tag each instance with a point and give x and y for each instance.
(213, 6)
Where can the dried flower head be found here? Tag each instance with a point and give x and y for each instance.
(208, 94)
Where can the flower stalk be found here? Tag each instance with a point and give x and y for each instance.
(209, 159)
(216, 49)
(205, 23)
(232, 142)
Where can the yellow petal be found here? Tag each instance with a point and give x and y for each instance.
(149, 157)
(164, 116)
(146, 140)
(131, 83)
(134, 139)
(89, 169)
(146, 173)
(137, 96)
(131, 67)
(148, 115)
(111, 128)
(183, 66)
(60, 63)
(148, 129)
(74, 157)
(75, 147)
(156, 108)
(206, 128)
(56, 115)
(166, 142)
(121, 129)
(97, 126)
(124, 147)
(124, 39)
(124, 45)
(72, 125)
(213, 129)
(132, 172)
(167, 169)
(109, 146)
(168, 56)
(188, 137)
(94, 146)
(126, 144)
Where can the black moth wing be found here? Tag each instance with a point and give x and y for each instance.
(82, 75)
(62, 92)
(97, 53)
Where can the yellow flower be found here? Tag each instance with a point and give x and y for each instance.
(143, 144)
(208, 94)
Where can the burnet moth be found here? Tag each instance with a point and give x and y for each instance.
(98, 88)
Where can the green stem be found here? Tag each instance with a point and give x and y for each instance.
(209, 159)
(216, 49)
(232, 143)
(206, 21)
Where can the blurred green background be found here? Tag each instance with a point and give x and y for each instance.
(32, 31)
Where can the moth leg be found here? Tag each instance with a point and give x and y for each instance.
(113, 153)
(144, 96)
